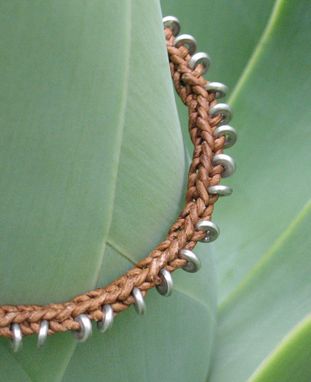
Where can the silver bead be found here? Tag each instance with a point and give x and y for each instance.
(139, 305)
(187, 41)
(17, 339)
(227, 163)
(172, 23)
(211, 229)
(228, 132)
(166, 286)
(193, 262)
(107, 321)
(43, 333)
(219, 189)
(200, 58)
(224, 110)
(85, 328)
(218, 88)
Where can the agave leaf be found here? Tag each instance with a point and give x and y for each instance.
(263, 302)
(92, 172)
(60, 144)
(291, 359)
(11, 369)
(171, 342)
(268, 304)
(227, 30)
(272, 183)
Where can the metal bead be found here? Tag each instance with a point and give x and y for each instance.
(43, 333)
(17, 339)
(200, 58)
(224, 110)
(140, 305)
(187, 41)
(211, 229)
(172, 23)
(228, 132)
(85, 328)
(227, 163)
(166, 286)
(193, 262)
(219, 189)
(218, 88)
(107, 321)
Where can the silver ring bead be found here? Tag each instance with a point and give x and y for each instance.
(85, 328)
(187, 41)
(107, 321)
(166, 286)
(193, 262)
(218, 88)
(139, 305)
(172, 23)
(224, 110)
(200, 58)
(227, 163)
(43, 333)
(212, 230)
(17, 338)
(220, 190)
(228, 132)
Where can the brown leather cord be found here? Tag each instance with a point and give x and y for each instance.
(189, 85)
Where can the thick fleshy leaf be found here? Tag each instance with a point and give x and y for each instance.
(272, 182)
(57, 151)
(227, 30)
(263, 272)
(291, 360)
(265, 286)
(172, 342)
(93, 169)
(268, 304)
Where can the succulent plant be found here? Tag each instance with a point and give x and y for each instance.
(94, 160)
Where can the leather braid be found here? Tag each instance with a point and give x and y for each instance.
(189, 85)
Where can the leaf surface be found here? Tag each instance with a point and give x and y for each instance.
(291, 359)
(268, 304)
(92, 176)
(263, 252)
(263, 256)
(272, 182)
(227, 30)
(171, 342)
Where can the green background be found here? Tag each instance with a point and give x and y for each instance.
(93, 164)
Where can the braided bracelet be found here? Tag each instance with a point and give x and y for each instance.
(210, 134)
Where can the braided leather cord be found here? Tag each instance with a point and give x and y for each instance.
(189, 85)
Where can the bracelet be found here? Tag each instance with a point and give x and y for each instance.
(210, 134)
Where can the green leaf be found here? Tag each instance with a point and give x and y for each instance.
(272, 182)
(227, 30)
(263, 258)
(291, 360)
(268, 304)
(263, 252)
(92, 176)
(10, 369)
(172, 342)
